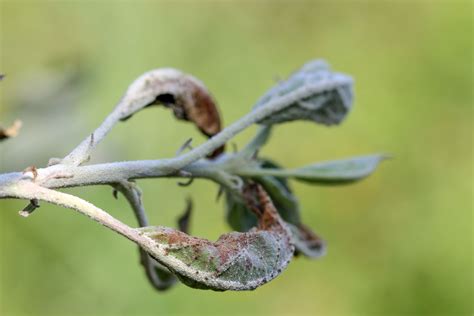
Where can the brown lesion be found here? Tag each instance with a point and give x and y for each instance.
(258, 200)
(233, 250)
(190, 101)
(176, 237)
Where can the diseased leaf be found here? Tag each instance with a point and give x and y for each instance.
(326, 96)
(241, 218)
(187, 96)
(236, 261)
(338, 171)
(280, 192)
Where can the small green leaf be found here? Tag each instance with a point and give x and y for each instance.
(325, 96)
(338, 171)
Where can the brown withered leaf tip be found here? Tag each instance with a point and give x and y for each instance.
(189, 99)
(195, 104)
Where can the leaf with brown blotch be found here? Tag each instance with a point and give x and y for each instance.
(11, 131)
(187, 96)
(241, 218)
(236, 261)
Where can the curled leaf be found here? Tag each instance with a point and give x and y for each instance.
(236, 261)
(184, 94)
(11, 131)
(326, 96)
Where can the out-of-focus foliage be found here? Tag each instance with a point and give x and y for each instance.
(399, 242)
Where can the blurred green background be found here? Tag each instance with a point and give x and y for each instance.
(400, 242)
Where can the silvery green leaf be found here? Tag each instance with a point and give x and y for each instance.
(325, 96)
(338, 171)
(236, 261)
